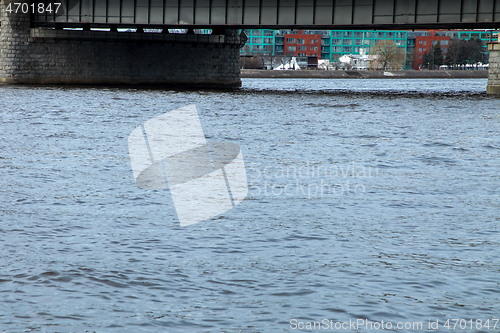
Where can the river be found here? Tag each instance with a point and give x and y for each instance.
(369, 201)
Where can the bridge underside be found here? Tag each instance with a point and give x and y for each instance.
(41, 56)
(276, 14)
(46, 56)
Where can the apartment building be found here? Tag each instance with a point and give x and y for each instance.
(333, 44)
(260, 41)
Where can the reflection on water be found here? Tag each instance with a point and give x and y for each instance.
(369, 199)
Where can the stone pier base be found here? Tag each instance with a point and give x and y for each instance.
(493, 87)
(44, 56)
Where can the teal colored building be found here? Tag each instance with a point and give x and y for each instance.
(485, 36)
(351, 41)
(260, 41)
(334, 43)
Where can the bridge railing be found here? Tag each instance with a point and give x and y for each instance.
(276, 14)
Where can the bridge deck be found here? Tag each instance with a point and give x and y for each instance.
(277, 14)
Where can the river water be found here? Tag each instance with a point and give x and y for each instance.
(370, 200)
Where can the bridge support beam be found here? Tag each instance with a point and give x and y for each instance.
(493, 87)
(43, 56)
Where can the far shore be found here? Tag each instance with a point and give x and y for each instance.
(362, 74)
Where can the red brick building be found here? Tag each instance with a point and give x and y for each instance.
(302, 45)
(424, 43)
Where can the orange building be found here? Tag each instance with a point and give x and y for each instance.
(424, 43)
(302, 45)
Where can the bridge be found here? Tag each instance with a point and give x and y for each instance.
(277, 14)
(40, 44)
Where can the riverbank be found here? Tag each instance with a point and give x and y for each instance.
(355, 74)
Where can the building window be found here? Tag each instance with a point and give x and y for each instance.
(336, 42)
(347, 41)
(311, 48)
(347, 49)
(290, 40)
(336, 49)
(420, 56)
(302, 54)
(347, 34)
(256, 48)
(316, 49)
(425, 49)
(420, 42)
(256, 32)
(302, 48)
(390, 35)
(379, 35)
(425, 42)
(291, 49)
(358, 42)
(444, 42)
(257, 40)
(419, 50)
(358, 34)
(268, 33)
(312, 41)
(315, 40)
(301, 41)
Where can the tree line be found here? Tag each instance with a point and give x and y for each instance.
(460, 53)
(262, 60)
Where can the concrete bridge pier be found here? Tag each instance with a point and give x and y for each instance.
(493, 87)
(50, 56)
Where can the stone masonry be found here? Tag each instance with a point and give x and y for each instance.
(493, 87)
(28, 56)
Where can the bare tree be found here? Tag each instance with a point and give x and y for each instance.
(462, 52)
(261, 59)
(453, 56)
(389, 54)
(270, 60)
(250, 62)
